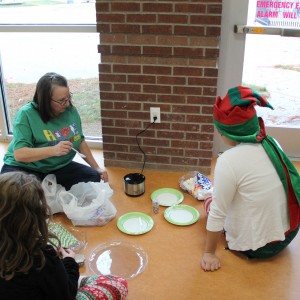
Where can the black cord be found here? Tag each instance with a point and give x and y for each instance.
(137, 141)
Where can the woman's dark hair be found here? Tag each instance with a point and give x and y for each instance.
(24, 217)
(43, 93)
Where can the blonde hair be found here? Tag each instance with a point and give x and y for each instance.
(24, 217)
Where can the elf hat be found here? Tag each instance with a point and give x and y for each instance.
(235, 116)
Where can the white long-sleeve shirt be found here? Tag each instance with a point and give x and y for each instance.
(249, 200)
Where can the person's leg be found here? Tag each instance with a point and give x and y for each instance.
(7, 168)
(102, 287)
(271, 249)
(74, 173)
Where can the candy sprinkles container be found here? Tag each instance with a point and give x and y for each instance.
(155, 207)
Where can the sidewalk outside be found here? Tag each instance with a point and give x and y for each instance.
(264, 55)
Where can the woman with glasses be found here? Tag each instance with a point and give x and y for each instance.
(47, 132)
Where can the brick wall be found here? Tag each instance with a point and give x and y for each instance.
(158, 54)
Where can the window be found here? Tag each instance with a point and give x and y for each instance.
(58, 37)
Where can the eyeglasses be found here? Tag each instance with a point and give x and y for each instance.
(64, 101)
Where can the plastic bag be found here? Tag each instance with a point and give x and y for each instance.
(52, 190)
(88, 204)
(197, 185)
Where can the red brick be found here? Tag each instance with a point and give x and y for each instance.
(160, 89)
(127, 87)
(125, 28)
(157, 70)
(188, 51)
(188, 71)
(187, 90)
(198, 153)
(112, 38)
(141, 18)
(157, 51)
(209, 72)
(185, 109)
(199, 119)
(185, 144)
(172, 18)
(126, 50)
(186, 127)
(213, 31)
(156, 29)
(112, 96)
(171, 98)
(171, 80)
(170, 135)
(157, 7)
(141, 78)
(202, 81)
(125, 6)
(189, 30)
(190, 8)
(205, 19)
(184, 161)
(105, 86)
(111, 18)
(112, 78)
(173, 40)
(214, 9)
(142, 97)
(127, 69)
(141, 39)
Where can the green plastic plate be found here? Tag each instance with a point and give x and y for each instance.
(135, 223)
(181, 215)
(167, 196)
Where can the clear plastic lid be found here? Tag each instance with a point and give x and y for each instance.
(119, 258)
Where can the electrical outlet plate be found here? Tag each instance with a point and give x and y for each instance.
(155, 112)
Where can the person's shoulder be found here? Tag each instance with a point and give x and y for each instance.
(242, 150)
(27, 108)
(71, 109)
(50, 251)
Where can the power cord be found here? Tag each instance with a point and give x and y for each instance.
(137, 141)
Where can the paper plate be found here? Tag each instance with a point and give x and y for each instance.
(135, 223)
(167, 196)
(119, 258)
(181, 215)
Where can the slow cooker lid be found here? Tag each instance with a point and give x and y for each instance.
(134, 178)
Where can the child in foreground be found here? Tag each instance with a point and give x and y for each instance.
(31, 265)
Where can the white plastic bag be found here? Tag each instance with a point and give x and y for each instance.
(197, 185)
(52, 190)
(88, 204)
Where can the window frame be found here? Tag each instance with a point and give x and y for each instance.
(38, 28)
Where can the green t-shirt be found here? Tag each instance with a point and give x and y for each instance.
(32, 132)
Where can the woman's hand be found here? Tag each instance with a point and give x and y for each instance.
(62, 148)
(210, 262)
(65, 252)
(103, 174)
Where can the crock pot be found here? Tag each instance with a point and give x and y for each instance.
(134, 184)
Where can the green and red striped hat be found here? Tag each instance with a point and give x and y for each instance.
(235, 116)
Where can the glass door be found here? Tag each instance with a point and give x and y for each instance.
(271, 65)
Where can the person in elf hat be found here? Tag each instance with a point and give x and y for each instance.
(256, 192)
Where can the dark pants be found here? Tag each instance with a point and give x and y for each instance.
(67, 176)
(271, 249)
